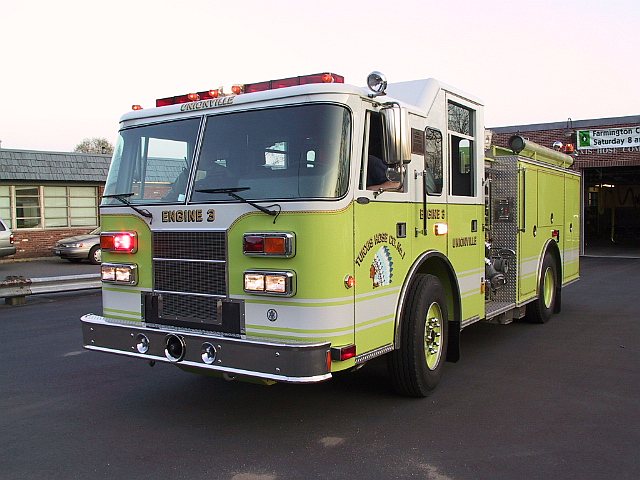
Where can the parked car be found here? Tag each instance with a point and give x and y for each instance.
(80, 247)
(6, 240)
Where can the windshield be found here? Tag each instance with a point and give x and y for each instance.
(281, 153)
(153, 162)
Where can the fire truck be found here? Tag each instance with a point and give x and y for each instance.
(287, 230)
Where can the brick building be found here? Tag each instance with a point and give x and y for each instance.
(607, 153)
(46, 196)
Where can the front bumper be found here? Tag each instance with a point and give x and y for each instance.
(71, 252)
(281, 362)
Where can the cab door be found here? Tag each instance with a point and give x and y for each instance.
(381, 244)
(465, 211)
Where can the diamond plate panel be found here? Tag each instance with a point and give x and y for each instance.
(504, 228)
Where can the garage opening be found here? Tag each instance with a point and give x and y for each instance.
(612, 211)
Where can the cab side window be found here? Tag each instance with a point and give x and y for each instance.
(376, 168)
(461, 150)
(433, 161)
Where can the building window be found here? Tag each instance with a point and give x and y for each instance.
(83, 210)
(55, 207)
(5, 205)
(28, 207)
(49, 206)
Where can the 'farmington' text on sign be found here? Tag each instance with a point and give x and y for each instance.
(618, 137)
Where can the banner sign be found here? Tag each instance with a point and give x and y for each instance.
(618, 137)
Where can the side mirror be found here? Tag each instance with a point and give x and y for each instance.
(394, 173)
(396, 147)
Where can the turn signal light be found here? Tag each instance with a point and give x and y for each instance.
(269, 244)
(119, 242)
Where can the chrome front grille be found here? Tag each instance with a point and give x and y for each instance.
(203, 277)
(189, 273)
(190, 245)
(190, 284)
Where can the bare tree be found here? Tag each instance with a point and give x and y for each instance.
(94, 145)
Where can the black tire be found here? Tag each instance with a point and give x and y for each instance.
(541, 309)
(413, 372)
(95, 255)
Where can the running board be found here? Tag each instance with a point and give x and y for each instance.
(504, 313)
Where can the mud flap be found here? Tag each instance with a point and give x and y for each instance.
(453, 346)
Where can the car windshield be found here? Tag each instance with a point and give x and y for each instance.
(281, 153)
(278, 153)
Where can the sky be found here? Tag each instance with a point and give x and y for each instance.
(69, 69)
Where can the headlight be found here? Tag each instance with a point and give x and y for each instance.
(253, 282)
(126, 274)
(72, 245)
(270, 283)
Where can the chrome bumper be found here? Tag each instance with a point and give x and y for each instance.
(281, 362)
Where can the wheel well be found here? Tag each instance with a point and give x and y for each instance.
(437, 264)
(552, 248)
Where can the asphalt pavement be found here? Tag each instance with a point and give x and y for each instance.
(552, 401)
(44, 267)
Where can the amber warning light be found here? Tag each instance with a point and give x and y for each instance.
(251, 88)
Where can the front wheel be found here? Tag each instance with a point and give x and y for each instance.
(541, 309)
(95, 255)
(416, 367)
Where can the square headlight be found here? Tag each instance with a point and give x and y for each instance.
(270, 283)
(126, 274)
(254, 282)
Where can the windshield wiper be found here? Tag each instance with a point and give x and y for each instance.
(232, 193)
(122, 198)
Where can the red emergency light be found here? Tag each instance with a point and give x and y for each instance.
(119, 242)
(293, 81)
(252, 87)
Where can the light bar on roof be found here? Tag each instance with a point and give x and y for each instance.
(293, 81)
(251, 88)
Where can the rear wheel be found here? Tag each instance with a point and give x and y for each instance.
(541, 309)
(416, 367)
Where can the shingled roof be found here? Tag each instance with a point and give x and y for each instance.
(30, 165)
